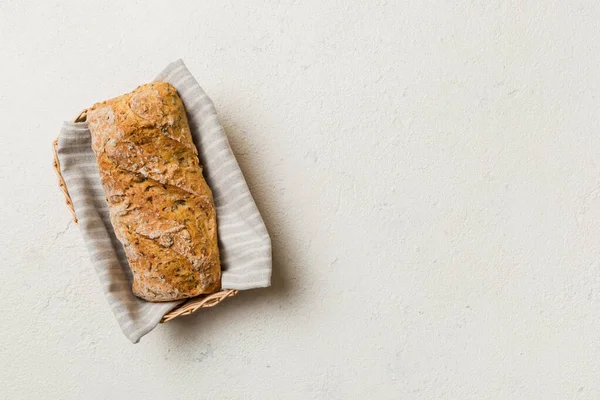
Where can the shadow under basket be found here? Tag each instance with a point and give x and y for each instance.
(185, 308)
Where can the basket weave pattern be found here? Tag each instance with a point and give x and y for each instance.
(188, 307)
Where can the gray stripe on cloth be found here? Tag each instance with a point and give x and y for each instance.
(243, 240)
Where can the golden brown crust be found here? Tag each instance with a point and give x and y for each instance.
(160, 205)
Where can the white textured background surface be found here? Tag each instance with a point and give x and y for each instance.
(428, 171)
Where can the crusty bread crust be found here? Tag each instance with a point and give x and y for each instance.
(161, 208)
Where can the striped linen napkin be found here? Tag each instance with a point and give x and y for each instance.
(244, 243)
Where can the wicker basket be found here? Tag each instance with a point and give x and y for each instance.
(185, 308)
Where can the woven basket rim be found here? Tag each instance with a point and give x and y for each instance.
(187, 307)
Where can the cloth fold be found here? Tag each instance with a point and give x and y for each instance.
(244, 243)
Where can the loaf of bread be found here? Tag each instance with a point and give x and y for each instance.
(161, 208)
